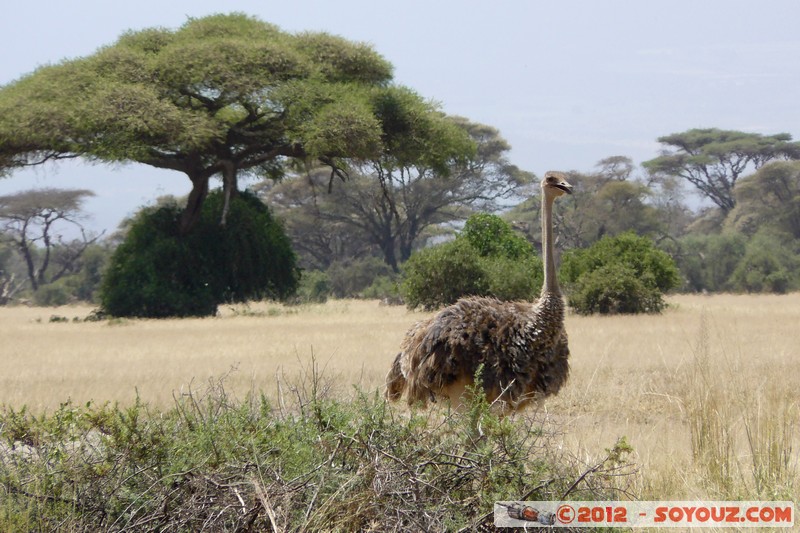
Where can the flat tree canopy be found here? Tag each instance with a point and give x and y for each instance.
(712, 159)
(221, 95)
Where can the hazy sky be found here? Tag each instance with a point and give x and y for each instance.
(567, 83)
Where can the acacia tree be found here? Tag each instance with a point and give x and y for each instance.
(769, 197)
(222, 95)
(391, 201)
(34, 223)
(9, 285)
(713, 160)
(603, 203)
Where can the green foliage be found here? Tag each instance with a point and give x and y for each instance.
(513, 279)
(486, 259)
(490, 235)
(440, 275)
(707, 262)
(384, 287)
(769, 265)
(351, 278)
(53, 294)
(768, 199)
(83, 285)
(766, 262)
(615, 288)
(217, 463)
(314, 287)
(185, 89)
(713, 160)
(156, 272)
(623, 274)
(86, 282)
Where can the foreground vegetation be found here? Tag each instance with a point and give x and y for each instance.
(299, 432)
(307, 464)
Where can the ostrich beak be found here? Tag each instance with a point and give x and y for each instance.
(564, 186)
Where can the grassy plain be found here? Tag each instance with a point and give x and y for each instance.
(706, 393)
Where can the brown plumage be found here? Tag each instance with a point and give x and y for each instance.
(521, 345)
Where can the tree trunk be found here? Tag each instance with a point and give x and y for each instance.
(27, 255)
(389, 254)
(229, 188)
(194, 204)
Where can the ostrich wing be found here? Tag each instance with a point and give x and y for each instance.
(448, 348)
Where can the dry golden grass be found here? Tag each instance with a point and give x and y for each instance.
(48, 362)
(651, 378)
(725, 359)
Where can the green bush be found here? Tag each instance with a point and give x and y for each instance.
(350, 279)
(486, 259)
(621, 274)
(491, 236)
(615, 288)
(156, 272)
(706, 262)
(513, 279)
(315, 287)
(768, 265)
(53, 294)
(442, 274)
(383, 288)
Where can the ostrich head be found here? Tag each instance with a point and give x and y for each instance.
(555, 184)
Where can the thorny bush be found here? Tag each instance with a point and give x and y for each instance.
(309, 462)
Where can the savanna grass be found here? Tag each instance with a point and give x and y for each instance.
(744, 427)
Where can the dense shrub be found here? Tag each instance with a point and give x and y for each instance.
(622, 274)
(768, 265)
(615, 288)
(156, 272)
(350, 279)
(514, 279)
(486, 259)
(53, 294)
(385, 288)
(440, 275)
(706, 262)
(315, 287)
(491, 236)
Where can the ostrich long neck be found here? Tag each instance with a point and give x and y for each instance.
(550, 281)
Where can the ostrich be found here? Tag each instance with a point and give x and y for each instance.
(521, 345)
